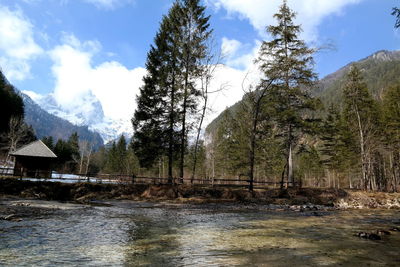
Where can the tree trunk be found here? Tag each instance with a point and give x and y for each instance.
(252, 150)
(290, 167)
(350, 184)
(185, 97)
(81, 163)
(183, 134)
(198, 137)
(362, 149)
(171, 131)
(283, 175)
(393, 170)
(88, 161)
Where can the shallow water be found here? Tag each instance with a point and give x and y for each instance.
(142, 234)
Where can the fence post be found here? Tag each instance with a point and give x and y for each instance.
(133, 179)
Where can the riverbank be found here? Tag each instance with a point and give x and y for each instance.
(294, 198)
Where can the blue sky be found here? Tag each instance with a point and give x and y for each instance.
(71, 48)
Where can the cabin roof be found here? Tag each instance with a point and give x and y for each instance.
(35, 149)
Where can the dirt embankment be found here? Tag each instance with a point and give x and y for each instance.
(86, 192)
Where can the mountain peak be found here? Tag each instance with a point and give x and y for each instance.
(88, 113)
(46, 124)
(380, 64)
(384, 55)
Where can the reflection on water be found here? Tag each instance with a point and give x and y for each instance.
(140, 234)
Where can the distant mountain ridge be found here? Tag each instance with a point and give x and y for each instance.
(46, 124)
(380, 71)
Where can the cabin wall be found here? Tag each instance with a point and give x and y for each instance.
(35, 167)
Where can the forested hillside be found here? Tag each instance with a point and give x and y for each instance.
(355, 134)
(347, 128)
(14, 132)
(11, 104)
(379, 70)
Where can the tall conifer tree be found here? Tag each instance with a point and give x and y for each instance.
(288, 61)
(156, 116)
(391, 118)
(194, 33)
(361, 114)
(169, 95)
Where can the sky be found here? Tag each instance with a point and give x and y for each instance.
(72, 48)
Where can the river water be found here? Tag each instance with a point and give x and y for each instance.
(146, 234)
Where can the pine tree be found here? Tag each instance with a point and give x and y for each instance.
(155, 119)
(391, 131)
(48, 141)
(289, 63)
(338, 149)
(330, 135)
(67, 153)
(168, 96)
(73, 142)
(132, 162)
(231, 142)
(194, 32)
(391, 109)
(121, 155)
(361, 114)
(112, 159)
(254, 119)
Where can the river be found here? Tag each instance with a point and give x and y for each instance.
(122, 233)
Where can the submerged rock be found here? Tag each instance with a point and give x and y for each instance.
(11, 218)
(382, 232)
(370, 236)
(8, 217)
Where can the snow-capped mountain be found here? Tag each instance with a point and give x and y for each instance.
(110, 129)
(89, 114)
(46, 124)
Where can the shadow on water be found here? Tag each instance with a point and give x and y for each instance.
(142, 234)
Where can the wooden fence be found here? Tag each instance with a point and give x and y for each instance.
(132, 179)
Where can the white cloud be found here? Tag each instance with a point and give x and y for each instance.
(113, 84)
(229, 85)
(116, 87)
(310, 13)
(109, 4)
(229, 47)
(17, 44)
(242, 61)
(232, 79)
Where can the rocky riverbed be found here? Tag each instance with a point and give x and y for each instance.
(298, 199)
(166, 233)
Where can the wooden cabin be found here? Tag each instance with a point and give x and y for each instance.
(33, 160)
